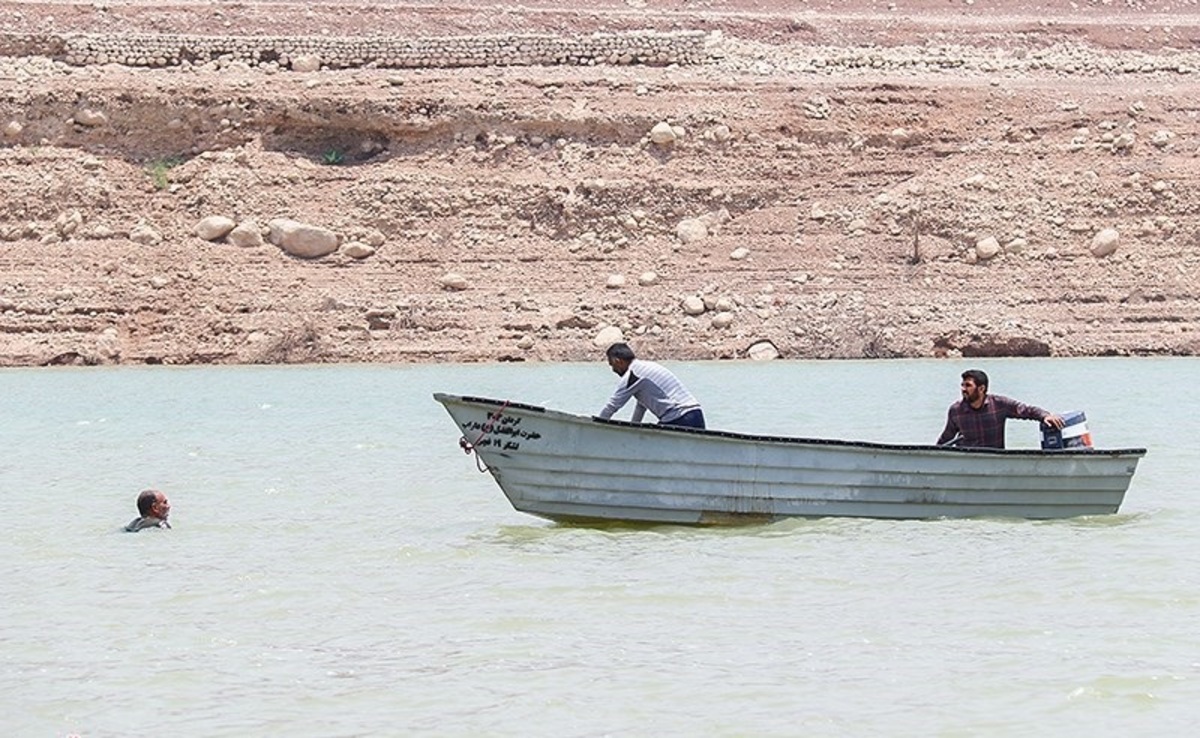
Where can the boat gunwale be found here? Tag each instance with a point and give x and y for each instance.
(795, 440)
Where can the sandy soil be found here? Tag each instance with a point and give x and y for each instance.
(880, 180)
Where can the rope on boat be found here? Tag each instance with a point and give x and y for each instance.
(469, 447)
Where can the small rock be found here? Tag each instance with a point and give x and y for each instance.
(817, 107)
(67, 223)
(987, 248)
(1160, 138)
(373, 237)
(715, 218)
(246, 235)
(975, 180)
(571, 320)
(306, 63)
(454, 282)
(357, 250)
(722, 320)
(108, 344)
(693, 305)
(739, 253)
(607, 336)
(663, 134)
(380, 319)
(763, 351)
(214, 227)
(1105, 242)
(615, 282)
(90, 118)
(13, 129)
(691, 230)
(648, 278)
(145, 235)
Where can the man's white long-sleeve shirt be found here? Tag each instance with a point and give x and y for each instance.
(655, 388)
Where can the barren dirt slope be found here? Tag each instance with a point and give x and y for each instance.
(890, 179)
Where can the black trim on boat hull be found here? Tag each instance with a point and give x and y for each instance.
(817, 441)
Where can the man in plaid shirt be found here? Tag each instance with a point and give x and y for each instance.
(978, 421)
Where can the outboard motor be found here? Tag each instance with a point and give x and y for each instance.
(1073, 434)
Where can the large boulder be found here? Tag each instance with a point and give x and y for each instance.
(991, 345)
(301, 239)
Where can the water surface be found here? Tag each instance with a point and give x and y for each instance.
(338, 567)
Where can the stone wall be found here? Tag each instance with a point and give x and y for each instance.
(307, 53)
(23, 44)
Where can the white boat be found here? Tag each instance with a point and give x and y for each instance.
(575, 468)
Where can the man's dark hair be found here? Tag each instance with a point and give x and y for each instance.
(620, 351)
(978, 376)
(146, 501)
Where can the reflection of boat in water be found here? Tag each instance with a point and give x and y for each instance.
(578, 468)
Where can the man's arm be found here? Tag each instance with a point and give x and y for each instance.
(625, 390)
(1032, 412)
(951, 429)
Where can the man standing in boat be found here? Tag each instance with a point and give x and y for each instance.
(654, 387)
(978, 420)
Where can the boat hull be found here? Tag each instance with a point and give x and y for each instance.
(575, 468)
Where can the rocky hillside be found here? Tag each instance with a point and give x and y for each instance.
(948, 182)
